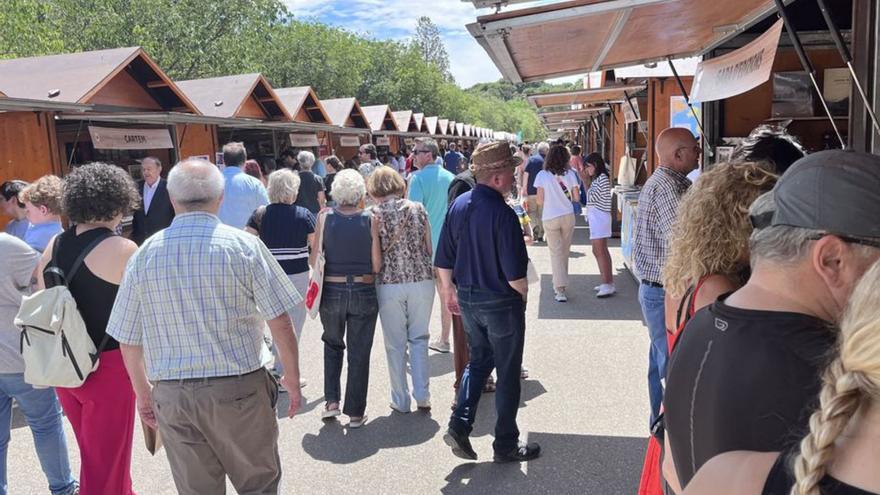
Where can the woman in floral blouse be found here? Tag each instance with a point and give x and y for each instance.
(405, 286)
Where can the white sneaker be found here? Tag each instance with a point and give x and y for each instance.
(598, 287)
(560, 297)
(441, 347)
(606, 290)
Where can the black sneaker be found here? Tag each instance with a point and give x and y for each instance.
(523, 452)
(461, 445)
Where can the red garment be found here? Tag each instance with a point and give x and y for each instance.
(101, 412)
(651, 482)
(409, 163)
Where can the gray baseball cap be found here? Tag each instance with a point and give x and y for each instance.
(833, 191)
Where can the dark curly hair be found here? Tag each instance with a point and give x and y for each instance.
(770, 144)
(557, 160)
(97, 192)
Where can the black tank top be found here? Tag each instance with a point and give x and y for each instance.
(94, 296)
(780, 481)
(347, 244)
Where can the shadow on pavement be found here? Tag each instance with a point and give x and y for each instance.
(582, 301)
(569, 464)
(485, 422)
(338, 444)
(440, 363)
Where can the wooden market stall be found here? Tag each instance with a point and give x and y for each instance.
(303, 104)
(352, 128)
(384, 128)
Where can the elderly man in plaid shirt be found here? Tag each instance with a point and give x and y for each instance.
(189, 319)
(679, 154)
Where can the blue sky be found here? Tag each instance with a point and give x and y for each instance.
(396, 19)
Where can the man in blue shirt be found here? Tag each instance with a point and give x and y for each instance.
(482, 263)
(533, 166)
(452, 159)
(11, 206)
(242, 194)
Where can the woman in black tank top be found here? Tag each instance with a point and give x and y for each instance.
(843, 429)
(101, 410)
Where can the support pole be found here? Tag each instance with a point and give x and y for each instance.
(687, 99)
(847, 57)
(808, 66)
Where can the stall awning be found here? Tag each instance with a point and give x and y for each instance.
(596, 96)
(684, 66)
(572, 116)
(243, 95)
(536, 43)
(380, 118)
(173, 118)
(28, 105)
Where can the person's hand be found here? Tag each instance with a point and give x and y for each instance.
(528, 240)
(146, 411)
(450, 298)
(293, 394)
(525, 206)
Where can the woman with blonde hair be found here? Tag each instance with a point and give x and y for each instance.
(405, 286)
(839, 454)
(709, 256)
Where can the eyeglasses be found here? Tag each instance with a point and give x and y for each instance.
(421, 151)
(874, 243)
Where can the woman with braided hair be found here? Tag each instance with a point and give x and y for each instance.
(839, 454)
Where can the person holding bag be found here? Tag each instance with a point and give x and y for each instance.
(101, 411)
(557, 187)
(348, 303)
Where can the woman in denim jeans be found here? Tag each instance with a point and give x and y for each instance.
(349, 306)
(406, 286)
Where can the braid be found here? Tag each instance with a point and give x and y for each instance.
(839, 400)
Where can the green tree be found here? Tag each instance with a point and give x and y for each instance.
(429, 43)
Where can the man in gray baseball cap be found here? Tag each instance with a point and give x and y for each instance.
(746, 370)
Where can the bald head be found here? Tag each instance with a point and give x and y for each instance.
(195, 185)
(678, 149)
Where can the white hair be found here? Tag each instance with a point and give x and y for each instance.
(543, 148)
(348, 188)
(195, 184)
(306, 159)
(283, 186)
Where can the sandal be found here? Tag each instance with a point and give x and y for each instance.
(330, 412)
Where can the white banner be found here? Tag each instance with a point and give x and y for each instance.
(738, 71)
(383, 141)
(631, 113)
(113, 138)
(303, 140)
(349, 141)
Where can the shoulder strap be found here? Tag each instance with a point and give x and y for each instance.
(681, 317)
(67, 277)
(322, 217)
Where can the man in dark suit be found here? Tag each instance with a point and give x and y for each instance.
(156, 211)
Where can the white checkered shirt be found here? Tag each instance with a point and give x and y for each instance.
(658, 203)
(195, 296)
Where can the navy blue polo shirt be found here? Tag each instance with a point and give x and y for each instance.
(533, 166)
(492, 251)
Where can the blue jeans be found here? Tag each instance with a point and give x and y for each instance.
(349, 312)
(495, 325)
(651, 300)
(43, 414)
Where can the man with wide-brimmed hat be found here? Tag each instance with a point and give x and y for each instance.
(482, 260)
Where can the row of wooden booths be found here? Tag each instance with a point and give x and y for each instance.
(646, 53)
(117, 106)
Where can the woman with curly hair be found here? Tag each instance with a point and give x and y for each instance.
(839, 454)
(95, 197)
(709, 256)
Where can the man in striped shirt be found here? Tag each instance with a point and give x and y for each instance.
(189, 319)
(679, 153)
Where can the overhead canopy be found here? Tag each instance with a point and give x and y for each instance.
(119, 77)
(597, 96)
(346, 112)
(684, 67)
(572, 116)
(536, 43)
(241, 96)
(303, 104)
(380, 118)
(169, 118)
(28, 105)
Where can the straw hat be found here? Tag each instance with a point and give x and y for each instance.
(493, 156)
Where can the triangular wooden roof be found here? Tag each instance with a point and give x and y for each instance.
(346, 112)
(420, 122)
(303, 104)
(451, 129)
(467, 130)
(459, 129)
(443, 127)
(380, 118)
(406, 121)
(239, 96)
(119, 77)
(431, 125)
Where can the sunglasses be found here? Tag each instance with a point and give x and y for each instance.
(874, 243)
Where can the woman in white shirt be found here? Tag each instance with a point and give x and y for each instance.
(598, 214)
(557, 187)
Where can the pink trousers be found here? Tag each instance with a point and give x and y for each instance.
(101, 412)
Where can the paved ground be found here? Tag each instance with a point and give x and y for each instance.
(585, 403)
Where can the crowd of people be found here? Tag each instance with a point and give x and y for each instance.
(749, 286)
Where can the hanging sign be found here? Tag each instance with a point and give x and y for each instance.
(383, 141)
(349, 141)
(303, 140)
(631, 113)
(738, 71)
(113, 138)
(409, 141)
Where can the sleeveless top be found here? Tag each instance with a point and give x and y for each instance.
(94, 296)
(780, 480)
(285, 229)
(347, 244)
